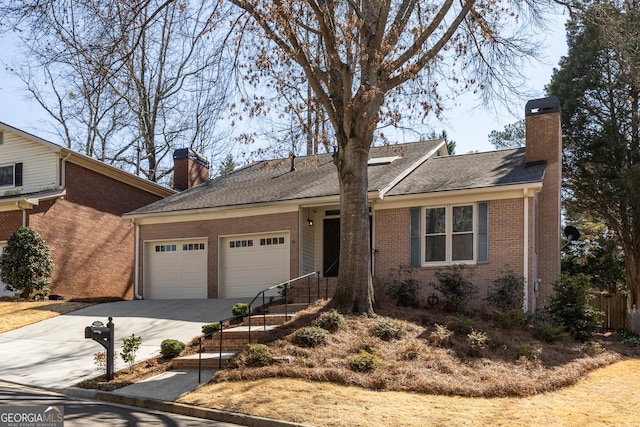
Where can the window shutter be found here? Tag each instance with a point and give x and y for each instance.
(483, 232)
(415, 237)
(18, 175)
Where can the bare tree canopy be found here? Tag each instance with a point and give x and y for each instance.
(374, 63)
(127, 82)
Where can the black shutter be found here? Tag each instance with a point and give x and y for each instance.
(483, 232)
(415, 237)
(18, 174)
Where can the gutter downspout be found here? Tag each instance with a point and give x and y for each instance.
(525, 275)
(136, 263)
(63, 180)
(24, 214)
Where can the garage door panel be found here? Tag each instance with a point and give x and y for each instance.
(176, 270)
(252, 263)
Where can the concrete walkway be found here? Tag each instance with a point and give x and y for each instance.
(54, 353)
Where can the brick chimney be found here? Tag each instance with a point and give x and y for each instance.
(544, 145)
(190, 169)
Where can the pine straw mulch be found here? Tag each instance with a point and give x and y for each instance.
(415, 364)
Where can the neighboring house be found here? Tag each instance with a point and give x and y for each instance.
(76, 204)
(274, 220)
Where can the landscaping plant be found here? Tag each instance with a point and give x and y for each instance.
(25, 263)
(170, 348)
(130, 347)
(455, 289)
(569, 307)
(402, 287)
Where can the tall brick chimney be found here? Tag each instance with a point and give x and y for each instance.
(190, 169)
(544, 145)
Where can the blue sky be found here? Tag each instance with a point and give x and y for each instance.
(466, 123)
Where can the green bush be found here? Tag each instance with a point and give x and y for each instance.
(388, 330)
(258, 355)
(329, 320)
(171, 348)
(455, 289)
(210, 328)
(546, 331)
(569, 307)
(630, 339)
(363, 362)
(240, 309)
(25, 263)
(506, 292)
(510, 318)
(403, 288)
(310, 336)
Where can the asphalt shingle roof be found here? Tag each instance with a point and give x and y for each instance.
(316, 176)
(470, 171)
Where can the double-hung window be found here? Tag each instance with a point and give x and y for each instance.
(11, 175)
(449, 234)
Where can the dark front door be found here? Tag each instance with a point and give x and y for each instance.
(331, 247)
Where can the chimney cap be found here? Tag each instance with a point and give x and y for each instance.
(542, 106)
(188, 153)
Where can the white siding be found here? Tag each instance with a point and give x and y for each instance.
(39, 164)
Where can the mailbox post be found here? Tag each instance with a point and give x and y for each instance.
(104, 335)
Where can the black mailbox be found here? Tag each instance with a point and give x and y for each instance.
(104, 335)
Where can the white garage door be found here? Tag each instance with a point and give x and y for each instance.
(176, 270)
(252, 263)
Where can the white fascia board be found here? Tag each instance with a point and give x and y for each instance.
(410, 169)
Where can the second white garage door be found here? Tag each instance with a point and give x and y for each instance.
(176, 270)
(252, 263)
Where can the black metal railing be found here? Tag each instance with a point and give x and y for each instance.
(269, 296)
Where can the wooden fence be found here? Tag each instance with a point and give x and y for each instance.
(614, 308)
(633, 320)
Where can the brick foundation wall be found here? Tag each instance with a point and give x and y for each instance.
(213, 229)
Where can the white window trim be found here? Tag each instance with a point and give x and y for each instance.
(448, 236)
(13, 172)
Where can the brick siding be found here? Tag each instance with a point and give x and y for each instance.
(213, 229)
(91, 245)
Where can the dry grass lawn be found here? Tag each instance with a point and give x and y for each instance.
(606, 397)
(16, 314)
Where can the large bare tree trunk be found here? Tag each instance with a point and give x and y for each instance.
(354, 292)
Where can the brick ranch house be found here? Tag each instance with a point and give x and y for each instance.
(76, 204)
(275, 220)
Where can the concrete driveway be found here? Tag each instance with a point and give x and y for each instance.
(54, 353)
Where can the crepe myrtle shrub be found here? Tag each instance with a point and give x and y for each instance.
(402, 287)
(310, 336)
(25, 263)
(455, 289)
(171, 348)
(569, 307)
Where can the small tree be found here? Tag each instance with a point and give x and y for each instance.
(25, 264)
(130, 347)
(569, 307)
